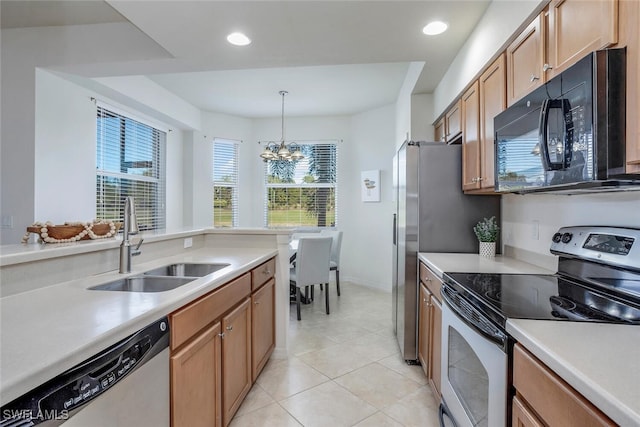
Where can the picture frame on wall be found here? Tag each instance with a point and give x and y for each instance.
(370, 185)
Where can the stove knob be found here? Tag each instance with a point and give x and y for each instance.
(566, 237)
(557, 237)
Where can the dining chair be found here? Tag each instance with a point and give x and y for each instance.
(334, 264)
(312, 267)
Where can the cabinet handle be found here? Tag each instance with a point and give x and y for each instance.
(221, 335)
(480, 179)
(547, 67)
(267, 272)
(257, 302)
(474, 180)
(424, 300)
(230, 328)
(533, 78)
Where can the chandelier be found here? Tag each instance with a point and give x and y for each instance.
(278, 150)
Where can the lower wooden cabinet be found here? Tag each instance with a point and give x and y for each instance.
(543, 398)
(219, 344)
(430, 324)
(263, 327)
(236, 359)
(196, 392)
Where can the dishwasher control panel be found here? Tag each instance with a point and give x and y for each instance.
(57, 399)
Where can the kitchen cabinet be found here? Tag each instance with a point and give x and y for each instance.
(438, 131)
(629, 36)
(263, 332)
(543, 398)
(598, 24)
(471, 138)
(236, 359)
(218, 349)
(525, 59)
(493, 100)
(430, 323)
(453, 122)
(196, 393)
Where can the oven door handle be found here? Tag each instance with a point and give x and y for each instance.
(481, 324)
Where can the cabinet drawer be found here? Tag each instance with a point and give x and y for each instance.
(555, 401)
(190, 319)
(431, 281)
(262, 273)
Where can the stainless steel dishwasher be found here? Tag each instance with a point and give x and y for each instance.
(127, 384)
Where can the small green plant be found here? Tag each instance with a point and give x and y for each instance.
(487, 230)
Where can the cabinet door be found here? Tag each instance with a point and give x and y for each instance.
(597, 21)
(196, 372)
(493, 100)
(521, 416)
(236, 359)
(435, 363)
(263, 331)
(471, 138)
(424, 330)
(525, 59)
(453, 122)
(629, 36)
(438, 131)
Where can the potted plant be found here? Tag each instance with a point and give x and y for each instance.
(487, 233)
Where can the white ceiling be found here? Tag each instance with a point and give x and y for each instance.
(333, 56)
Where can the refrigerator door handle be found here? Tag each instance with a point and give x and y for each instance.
(395, 230)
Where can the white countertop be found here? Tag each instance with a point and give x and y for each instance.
(601, 361)
(473, 263)
(48, 330)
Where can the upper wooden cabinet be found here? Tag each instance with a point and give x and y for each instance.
(471, 138)
(577, 27)
(525, 60)
(493, 101)
(438, 131)
(453, 122)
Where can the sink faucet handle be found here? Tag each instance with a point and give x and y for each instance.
(139, 244)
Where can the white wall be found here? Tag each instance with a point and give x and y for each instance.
(22, 51)
(421, 117)
(498, 23)
(403, 104)
(366, 248)
(523, 214)
(64, 154)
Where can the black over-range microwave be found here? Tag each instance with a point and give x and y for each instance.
(569, 134)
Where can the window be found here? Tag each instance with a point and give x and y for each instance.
(130, 160)
(225, 183)
(303, 193)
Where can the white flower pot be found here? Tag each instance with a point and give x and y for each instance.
(488, 249)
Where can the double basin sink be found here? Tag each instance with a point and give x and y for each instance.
(161, 279)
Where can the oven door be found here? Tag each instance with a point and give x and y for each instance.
(474, 378)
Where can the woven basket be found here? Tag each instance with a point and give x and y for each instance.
(68, 231)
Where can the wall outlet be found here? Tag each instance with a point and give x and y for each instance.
(6, 221)
(535, 230)
(188, 242)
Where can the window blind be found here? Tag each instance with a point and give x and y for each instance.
(225, 183)
(303, 193)
(130, 161)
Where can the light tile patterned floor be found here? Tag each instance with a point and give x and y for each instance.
(344, 370)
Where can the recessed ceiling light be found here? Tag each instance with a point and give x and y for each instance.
(435, 27)
(238, 39)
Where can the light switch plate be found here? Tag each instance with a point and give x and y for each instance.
(188, 242)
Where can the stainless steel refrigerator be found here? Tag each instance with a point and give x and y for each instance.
(432, 215)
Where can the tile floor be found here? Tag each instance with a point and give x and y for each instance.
(344, 369)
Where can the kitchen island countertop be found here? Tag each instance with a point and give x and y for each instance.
(49, 330)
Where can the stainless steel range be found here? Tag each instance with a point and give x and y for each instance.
(598, 280)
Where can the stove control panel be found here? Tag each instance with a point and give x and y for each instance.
(609, 245)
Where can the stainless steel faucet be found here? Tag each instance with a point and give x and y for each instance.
(130, 227)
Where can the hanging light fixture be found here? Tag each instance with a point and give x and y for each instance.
(274, 150)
